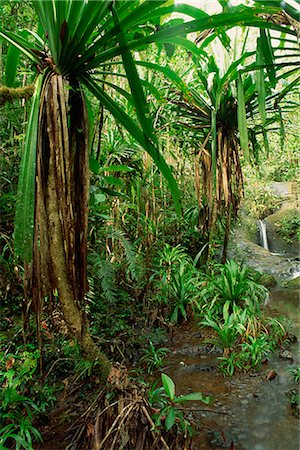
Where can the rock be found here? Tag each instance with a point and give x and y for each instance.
(291, 338)
(294, 399)
(268, 280)
(271, 375)
(276, 241)
(293, 283)
(223, 439)
(287, 355)
(199, 367)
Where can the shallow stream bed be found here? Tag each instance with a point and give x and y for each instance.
(248, 412)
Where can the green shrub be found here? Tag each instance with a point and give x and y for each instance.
(232, 285)
(165, 403)
(289, 227)
(21, 399)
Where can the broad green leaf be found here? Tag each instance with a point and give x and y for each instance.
(112, 192)
(109, 179)
(240, 15)
(266, 141)
(242, 121)
(134, 83)
(194, 396)
(170, 418)
(12, 61)
(168, 385)
(94, 165)
(25, 205)
(99, 197)
(282, 128)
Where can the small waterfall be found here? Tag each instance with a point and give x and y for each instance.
(263, 234)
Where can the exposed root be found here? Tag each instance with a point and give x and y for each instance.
(120, 419)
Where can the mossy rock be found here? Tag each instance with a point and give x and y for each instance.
(294, 283)
(283, 231)
(268, 280)
(247, 229)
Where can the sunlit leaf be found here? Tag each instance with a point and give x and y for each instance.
(168, 385)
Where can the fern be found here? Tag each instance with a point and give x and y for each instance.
(133, 260)
(104, 271)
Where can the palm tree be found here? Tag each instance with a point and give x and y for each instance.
(78, 37)
(224, 108)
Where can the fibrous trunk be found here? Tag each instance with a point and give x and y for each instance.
(62, 184)
(223, 199)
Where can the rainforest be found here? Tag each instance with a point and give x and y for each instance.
(149, 224)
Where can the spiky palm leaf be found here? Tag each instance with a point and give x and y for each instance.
(218, 114)
(78, 37)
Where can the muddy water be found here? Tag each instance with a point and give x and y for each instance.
(248, 412)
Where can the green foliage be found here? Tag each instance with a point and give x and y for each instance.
(177, 281)
(294, 394)
(248, 354)
(153, 357)
(234, 315)
(21, 399)
(255, 350)
(295, 372)
(230, 363)
(164, 400)
(231, 285)
(228, 329)
(289, 227)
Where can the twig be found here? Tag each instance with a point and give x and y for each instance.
(113, 426)
(92, 405)
(55, 362)
(203, 410)
(120, 425)
(153, 425)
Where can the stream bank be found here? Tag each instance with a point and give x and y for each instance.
(248, 412)
(261, 245)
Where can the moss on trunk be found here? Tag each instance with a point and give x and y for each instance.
(72, 313)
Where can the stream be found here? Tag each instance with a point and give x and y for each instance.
(248, 412)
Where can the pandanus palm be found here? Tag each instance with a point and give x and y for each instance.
(216, 106)
(79, 36)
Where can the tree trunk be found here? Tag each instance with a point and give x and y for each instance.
(61, 210)
(73, 316)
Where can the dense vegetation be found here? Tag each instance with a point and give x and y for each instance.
(130, 134)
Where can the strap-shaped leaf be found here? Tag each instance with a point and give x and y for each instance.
(268, 55)
(242, 121)
(135, 84)
(129, 124)
(214, 147)
(238, 16)
(20, 43)
(260, 83)
(12, 61)
(24, 221)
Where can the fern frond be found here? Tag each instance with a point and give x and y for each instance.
(132, 258)
(105, 272)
